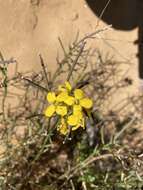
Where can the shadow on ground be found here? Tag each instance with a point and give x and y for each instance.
(123, 15)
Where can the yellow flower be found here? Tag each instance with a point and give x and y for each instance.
(78, 93)
(65, 87)
(77, 109)
(63, 128)
(73, 120)
(68, 86)
(86, 103)
(61, 110)
(69, 100)
(70, 104)
(61, 88)
(81, 100)
(50, 111)
(51, 97)
(80, 124)
(76, 121)
(62, 96)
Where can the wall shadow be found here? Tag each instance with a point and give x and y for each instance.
(123, 15)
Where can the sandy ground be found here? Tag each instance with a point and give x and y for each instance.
(31, 27)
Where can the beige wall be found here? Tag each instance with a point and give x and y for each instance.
(28, 28)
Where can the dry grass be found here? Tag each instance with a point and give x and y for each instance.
(107, 155)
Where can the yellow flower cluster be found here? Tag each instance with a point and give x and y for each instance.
(69, 105)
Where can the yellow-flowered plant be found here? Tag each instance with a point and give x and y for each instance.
(70, 105)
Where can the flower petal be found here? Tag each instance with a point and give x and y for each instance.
(61, 88)
(86, 103)
(51, 97)
(65, 87)
(62, 96)
(78, 93)
(61, 110)
(80, 124)
(49, 112)
(69, 100)
(63, 128)
(68, 86)
(75, 127)
(77, 109)
(73, 120)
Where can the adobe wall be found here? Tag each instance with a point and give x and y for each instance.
(30, 27)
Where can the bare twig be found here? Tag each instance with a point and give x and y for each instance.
(75, 62)
(35, 84)
(124, 128)
(44, 70)
(92, 35)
